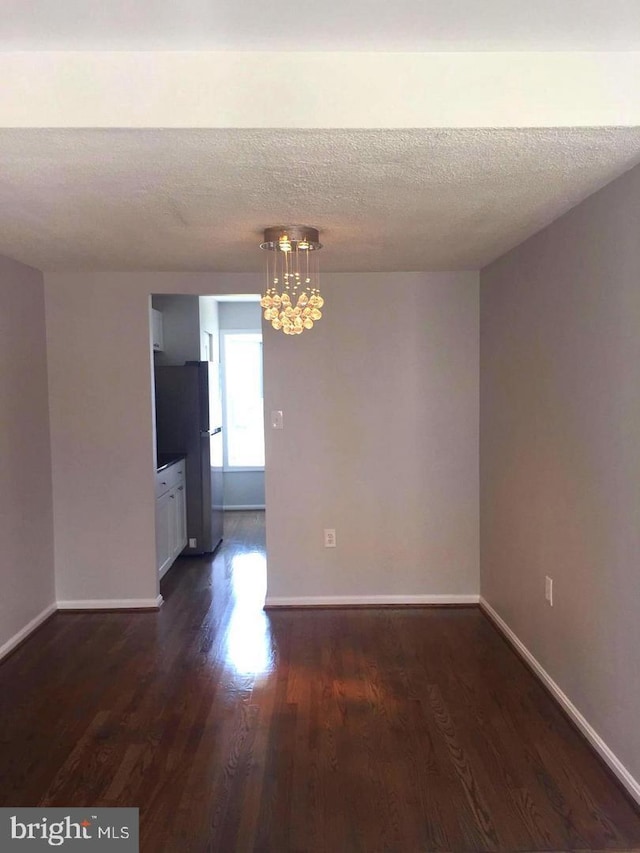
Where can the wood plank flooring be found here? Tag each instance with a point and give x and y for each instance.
(326, 730)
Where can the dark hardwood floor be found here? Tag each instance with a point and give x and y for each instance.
(325, 730)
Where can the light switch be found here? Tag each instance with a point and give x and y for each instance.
(277, 420)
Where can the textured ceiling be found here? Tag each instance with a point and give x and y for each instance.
(383, 199)
(406, 25)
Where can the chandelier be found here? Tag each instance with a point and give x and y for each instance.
(292, 300)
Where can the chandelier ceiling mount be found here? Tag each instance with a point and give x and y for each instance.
(292, 299)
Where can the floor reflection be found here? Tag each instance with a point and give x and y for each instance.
(249, 647)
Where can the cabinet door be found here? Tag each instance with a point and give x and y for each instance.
(164, 531)
(181, 518)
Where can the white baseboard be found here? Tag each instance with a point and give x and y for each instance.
(113, 604)
(367, 600)
(234, 507)
(29, 628)
(631, 784)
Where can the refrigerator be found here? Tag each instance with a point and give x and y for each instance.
(189, 422)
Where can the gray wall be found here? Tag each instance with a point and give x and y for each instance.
(381, 414)
(560, 454)
(181, 329)
(26, 515)
(209, 327)
(240, 315)
(380, 440)
(242, 488)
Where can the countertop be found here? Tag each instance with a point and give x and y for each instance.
(166, 459)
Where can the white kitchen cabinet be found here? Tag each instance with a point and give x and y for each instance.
(171, 515)
(157, 331)
(180, 514)
(164, 545)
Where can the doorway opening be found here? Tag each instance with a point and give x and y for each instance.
(209, 428)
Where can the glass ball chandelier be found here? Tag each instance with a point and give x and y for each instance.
(292, 299)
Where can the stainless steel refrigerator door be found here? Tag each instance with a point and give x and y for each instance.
(183, 411)
(209, 389)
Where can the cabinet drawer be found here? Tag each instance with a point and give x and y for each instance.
(169, 477)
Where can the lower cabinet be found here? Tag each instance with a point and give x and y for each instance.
(171, 515)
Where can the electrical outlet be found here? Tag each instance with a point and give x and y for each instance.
(329, 538)
(277, 419)
(193, 543)
(548, 590)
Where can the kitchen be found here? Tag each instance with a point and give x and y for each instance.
(207, 376)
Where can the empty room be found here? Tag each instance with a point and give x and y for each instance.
(320, 402)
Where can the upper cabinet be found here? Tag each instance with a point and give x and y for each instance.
(156, 330)
(180, 328)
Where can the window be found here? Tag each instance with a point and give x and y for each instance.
(242, 399)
